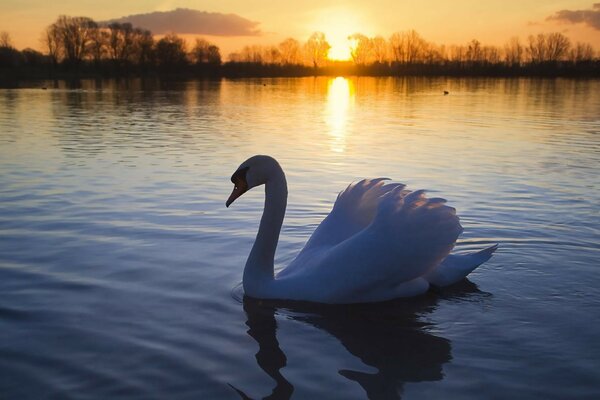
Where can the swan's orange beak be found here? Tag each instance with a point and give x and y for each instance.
(237, 192)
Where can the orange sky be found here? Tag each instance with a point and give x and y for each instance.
(491, 21)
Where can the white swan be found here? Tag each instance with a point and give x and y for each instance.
(379, 242)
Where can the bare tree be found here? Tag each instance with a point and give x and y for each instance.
(362, 49)
(290, 53)
(557, 46)
(51, 40)
(457, 54)
(199, 53)
(513, 52)
(205, 53)
(397, 47)
(272, 55)
(474, 52)
(415, 46)
(433, 54)
(490, 55)
(379, 48)
(408, 47)
(98, 46)
(536, 49)
(317, 49)
(5, 40)
(550, 47)
(121, 41)
(582, 52)
(75, 34)
(143, 46)
(252, 54)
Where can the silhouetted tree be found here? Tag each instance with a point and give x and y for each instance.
(252, 54)
(457, 54)
(582, 52)
(361, 50)
(75, 34)
(550, 47)
(289, 51)
(143, 47)
(120, 42)
(98, 47)
(5, 40)
(408, 47)
(536, 49)
(317, 49)
(170, 51)
(415, 46)
(513, 52)
(474, 52)
(73, 41)
(205, 53)
(557, 46)
(271, 55)
(490, 55)
(379, 48)
(52, 42)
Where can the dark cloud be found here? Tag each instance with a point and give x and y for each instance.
(184, 20)
(588, 17)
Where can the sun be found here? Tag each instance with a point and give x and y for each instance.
(340, 46)
(337, 24)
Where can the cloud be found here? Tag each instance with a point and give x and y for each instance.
(187, 21)
(588, 17)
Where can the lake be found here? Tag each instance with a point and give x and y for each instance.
(120, 265)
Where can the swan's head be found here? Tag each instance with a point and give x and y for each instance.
(255, 171)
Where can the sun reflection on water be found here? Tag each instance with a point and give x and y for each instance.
(340, 98)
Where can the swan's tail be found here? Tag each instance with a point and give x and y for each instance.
(456, 267)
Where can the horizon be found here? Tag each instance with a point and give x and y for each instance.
(238, 24)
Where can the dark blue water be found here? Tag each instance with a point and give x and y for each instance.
(119, 262)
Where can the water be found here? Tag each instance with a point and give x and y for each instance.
(119, 262)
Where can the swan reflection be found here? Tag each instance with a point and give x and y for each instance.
(340, 96)
(390, 337)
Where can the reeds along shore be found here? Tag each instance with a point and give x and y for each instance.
(77, 47)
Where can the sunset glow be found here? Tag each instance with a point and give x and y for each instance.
(340, 48)
(233, 25)
(338, 24)
(340, 96)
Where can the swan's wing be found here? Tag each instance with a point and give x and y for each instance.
(409, 236)
(354, 209)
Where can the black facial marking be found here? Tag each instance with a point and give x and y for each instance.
(239, 177)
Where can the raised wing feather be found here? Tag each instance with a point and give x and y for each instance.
(354, 209)
(408, 237)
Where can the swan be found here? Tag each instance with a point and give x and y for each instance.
(380, 242)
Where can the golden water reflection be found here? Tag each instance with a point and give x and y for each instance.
(340, 101)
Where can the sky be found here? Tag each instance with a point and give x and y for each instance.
(267, 22)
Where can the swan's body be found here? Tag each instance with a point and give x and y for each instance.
(379, 242)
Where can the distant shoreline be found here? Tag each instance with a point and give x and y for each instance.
(11, 77)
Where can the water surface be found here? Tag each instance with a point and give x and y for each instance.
(119, 262)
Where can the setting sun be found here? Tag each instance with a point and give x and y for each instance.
(337, 25)
(340, 46)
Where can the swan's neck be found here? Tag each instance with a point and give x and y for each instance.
(260, 265)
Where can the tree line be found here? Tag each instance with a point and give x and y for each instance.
(81, 45)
